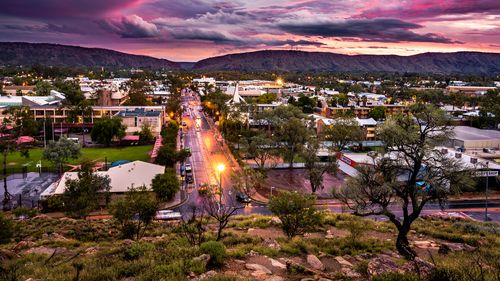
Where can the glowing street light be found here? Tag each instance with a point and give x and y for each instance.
(221, 169)
(279, 81)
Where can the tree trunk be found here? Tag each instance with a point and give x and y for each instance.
(6, 194)
(403, 246)
(219, 232)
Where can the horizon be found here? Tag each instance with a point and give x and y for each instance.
(192, 30)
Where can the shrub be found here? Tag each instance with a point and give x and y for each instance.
(25, 212)
(137, 250)
(6, 229)
(216, 250)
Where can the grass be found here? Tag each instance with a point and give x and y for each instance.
(16, 161)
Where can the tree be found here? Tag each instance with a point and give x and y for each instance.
(43, 88)
(316, 169)
(107, 128)
(221, 212)
(166, 185)
(137, 93)
(62, 150)
(71, 90)
(296, 212)
(146, 134)
(264, 151)
(82, 195)
(6, 229)
(22, 120)
(292, 136)
(246, 179)
(343, 132)
(377, 113)
(135, 211)
(410, 172)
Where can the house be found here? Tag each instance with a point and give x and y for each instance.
(469, 90)
(13, 90)
(55, 98)
(123, 177)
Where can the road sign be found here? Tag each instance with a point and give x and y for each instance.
(486, 174)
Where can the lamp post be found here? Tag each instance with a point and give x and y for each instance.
(486, 194)
(271, 192)
(220, 168)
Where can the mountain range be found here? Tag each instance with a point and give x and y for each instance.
(17, 53)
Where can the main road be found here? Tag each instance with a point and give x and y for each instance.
(208, 152)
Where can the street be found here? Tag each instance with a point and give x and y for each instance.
(208, 153)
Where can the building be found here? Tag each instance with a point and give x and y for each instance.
(123, 178)
(14, 90)
(469, 90)
(470, 138)
(367, 125)
(135, 119)
(55, 98)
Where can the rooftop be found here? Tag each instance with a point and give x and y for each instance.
(471, 133)
(139, 112)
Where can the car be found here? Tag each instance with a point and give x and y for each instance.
(243, 197)
(188, 149)
(189, 179)
(184, 123)
(188, 168)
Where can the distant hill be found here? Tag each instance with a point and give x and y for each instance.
(446, 63)
(14, 54)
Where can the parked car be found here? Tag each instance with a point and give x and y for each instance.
(188, 168)
(189, 179)
(243, 197)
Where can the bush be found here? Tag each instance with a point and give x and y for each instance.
(6, 229)
(24, 212)
(137, 250)
(165, 185)
(216, 250)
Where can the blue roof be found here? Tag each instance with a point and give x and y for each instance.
(139, 112)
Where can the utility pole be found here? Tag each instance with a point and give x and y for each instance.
(486, 193)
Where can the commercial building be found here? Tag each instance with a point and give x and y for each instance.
(470, 138)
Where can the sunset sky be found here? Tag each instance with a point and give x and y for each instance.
(189, 30)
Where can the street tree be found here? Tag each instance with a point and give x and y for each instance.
(134, 212)
(145, 134)
(62, 150)
(166, 185)
(264, 151)
(296, 212)
(315, 169)
(343, 132)
(43, 88)
(71, 90)
(410, 173)
(82, 195)
(107, 128)
(138, 89)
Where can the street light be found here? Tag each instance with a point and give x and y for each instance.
(271, 192)
(221, 169)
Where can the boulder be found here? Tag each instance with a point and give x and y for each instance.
(343, 262)
(203, 258)
(381, 265)
(259, 274)
(207, 275)
(275, 220)
(448, 247)
(315, 263)
(23, 245)
(91, 250)
(258, 267)
(426, 244)
(42, 250)
(422, 267)
(349, 272)
(275, 278)
(277, 264)
(7, 255)
(273, 244)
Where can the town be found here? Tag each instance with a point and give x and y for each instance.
(203, 140)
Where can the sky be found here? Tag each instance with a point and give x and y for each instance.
(190, 30)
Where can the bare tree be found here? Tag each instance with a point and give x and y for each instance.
(194, 228)
(219, 210)
(410, 173)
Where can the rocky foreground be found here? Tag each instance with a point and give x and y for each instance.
(343, 247)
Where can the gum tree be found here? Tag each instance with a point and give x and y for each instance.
(410, 174)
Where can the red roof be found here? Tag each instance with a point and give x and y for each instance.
(24, 139)
(131, 138)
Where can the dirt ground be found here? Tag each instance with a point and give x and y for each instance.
(296, 179)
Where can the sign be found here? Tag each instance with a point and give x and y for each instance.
(486, 174)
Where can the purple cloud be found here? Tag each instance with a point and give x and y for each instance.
(131, 26)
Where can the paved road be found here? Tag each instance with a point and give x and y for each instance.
(207, 153)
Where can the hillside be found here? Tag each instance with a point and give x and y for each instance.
(342, 247)
(28, 54)
(460, 62)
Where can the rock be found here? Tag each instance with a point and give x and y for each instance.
(315, 263)
(426, 244)
(307, 234)
(32, 279)
(258, 267)
(275, 220)
(252, 253)
(273, 244)
(277, 264)
(65, 219)
(42, 250)
(343, 262)
(307, 279)
(207, 275)
(57, 236)
(324, 279)
(239, 261)
(148, 239)
(447, 247)
(275, 278)
(349, 272)
(203, 258)
(259, 274)
(329, 236)
(41, 217)
(7, 255)
(381, 265)
(127, 242)
(23, 245)
(91, 250)
(422, 267)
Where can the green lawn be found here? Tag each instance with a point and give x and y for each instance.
(15, 160)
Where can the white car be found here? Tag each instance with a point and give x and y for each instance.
(188, 168)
